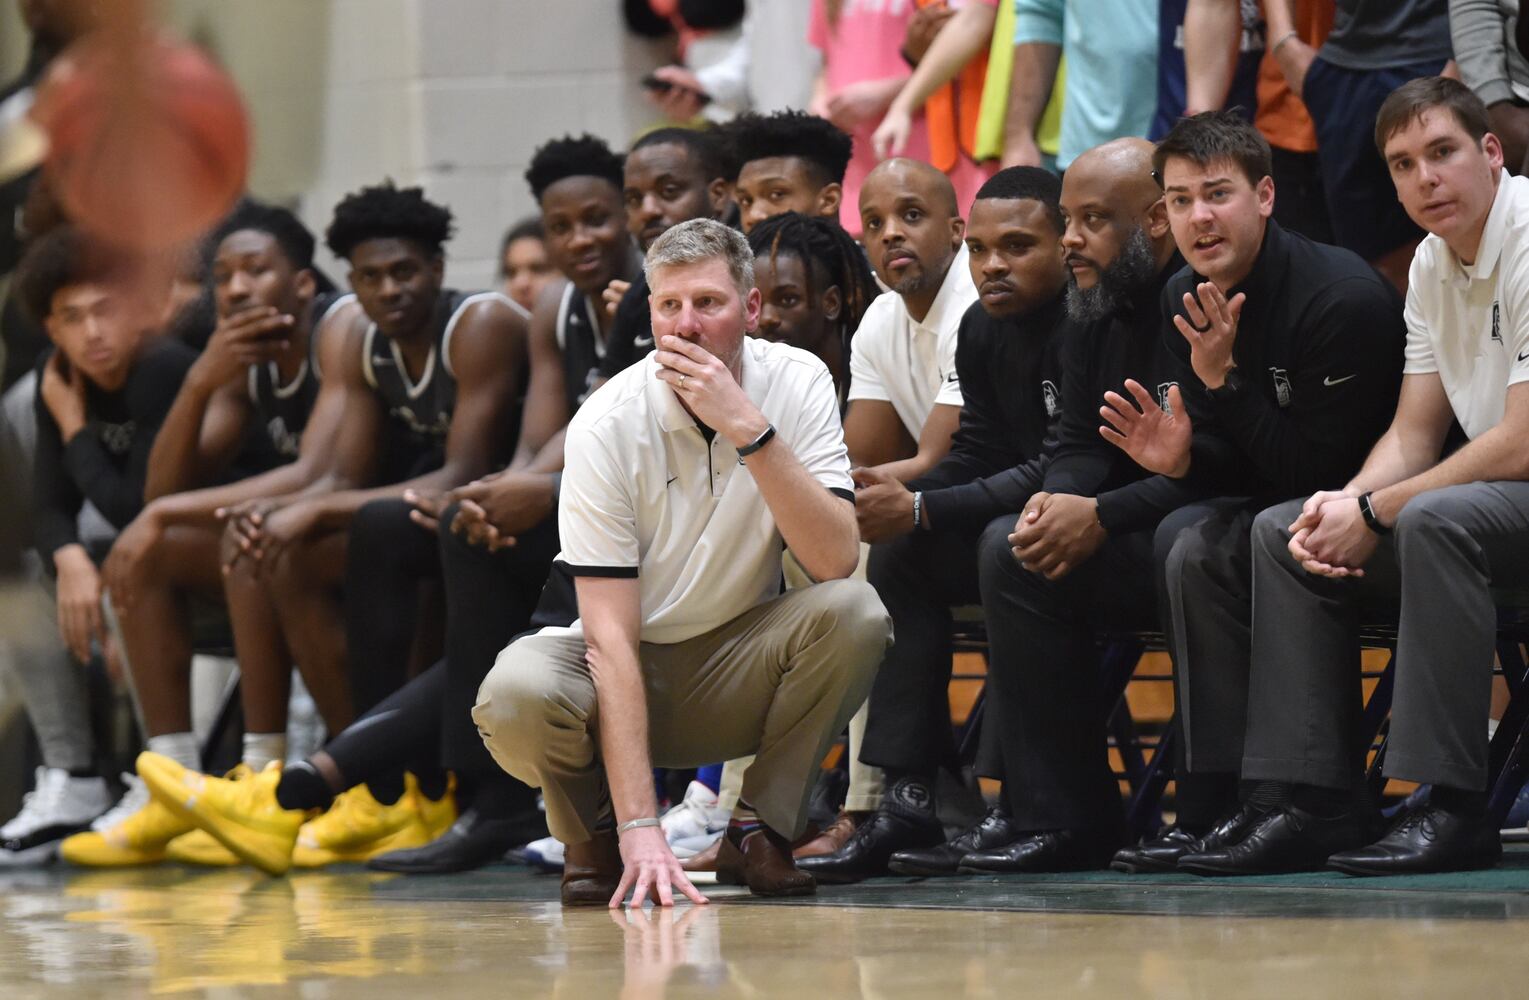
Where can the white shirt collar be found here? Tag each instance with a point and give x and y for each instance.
(1492, 235)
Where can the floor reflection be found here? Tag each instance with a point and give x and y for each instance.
(168, 932)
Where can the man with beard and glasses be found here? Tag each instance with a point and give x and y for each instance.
(924, 534)
(1298, 346)
(1080, 559)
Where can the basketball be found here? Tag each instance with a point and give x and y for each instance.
(149, 148)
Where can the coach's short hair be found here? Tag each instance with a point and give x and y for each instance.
(703, 239)
(1408, 102)
(1209, 136)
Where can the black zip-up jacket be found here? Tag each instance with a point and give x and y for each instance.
(1099, 357)
(1319, 353)
(1011, 376)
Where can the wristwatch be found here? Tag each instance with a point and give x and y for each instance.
(1367, 511)
(1230, 387)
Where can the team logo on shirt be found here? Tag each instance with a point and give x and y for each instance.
(1281, 385)
(1051, 396)
(437, 429)
(1162, 397)
(1496, 324)
(281, 437)
(117, 438)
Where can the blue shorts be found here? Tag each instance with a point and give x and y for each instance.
(1361, 200)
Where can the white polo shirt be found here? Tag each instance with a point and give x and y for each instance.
(644, 495)
(1471, 324)
(912, 364)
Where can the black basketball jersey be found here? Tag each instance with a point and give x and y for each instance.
(283, 409)
(582, 344)
(419, 412)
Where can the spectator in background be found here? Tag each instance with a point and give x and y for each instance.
(1492, 66)
(524, 267)
(734, 80)
(947, 87)
(1212, 29)
(1375, 46)
(1207, 77)
(1111, 52)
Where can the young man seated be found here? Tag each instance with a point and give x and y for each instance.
(789, 161)
(1298, 346)
(1428, 533)
(496, 537)
(664, 606)
(1080, 558)
(924, 533)
(427, 399)
(102, 393)
(258, 376)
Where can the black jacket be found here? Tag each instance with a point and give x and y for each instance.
(1011, 377)
(107, 462)
(1319, 354)
(1099, 357)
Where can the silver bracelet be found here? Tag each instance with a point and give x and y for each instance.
(918, 508)
(1274, 49)
(636, 824)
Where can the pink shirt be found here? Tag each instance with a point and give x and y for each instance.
(866, 44)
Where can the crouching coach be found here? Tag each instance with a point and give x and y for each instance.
(663, 638)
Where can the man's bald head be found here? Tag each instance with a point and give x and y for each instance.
(1121, 168)
(1117, 236)
(911, 229)
(902, 174)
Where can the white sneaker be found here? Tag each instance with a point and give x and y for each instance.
(695, 823)
(133, 799)
(545, 854)
(58, 806)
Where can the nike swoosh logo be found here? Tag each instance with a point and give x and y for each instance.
(952, 377)
(671, 482)
(642, 341)
(1338, 381)
(1524, 356)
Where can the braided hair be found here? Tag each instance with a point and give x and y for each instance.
(827, 253)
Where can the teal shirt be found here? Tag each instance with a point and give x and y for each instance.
(1111, 49)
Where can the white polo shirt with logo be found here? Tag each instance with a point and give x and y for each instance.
(645, 495)
(1470, 324)
(908, 363)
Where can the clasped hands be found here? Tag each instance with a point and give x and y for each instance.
(1330, 537)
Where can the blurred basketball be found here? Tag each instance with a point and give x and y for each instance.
(149, 143)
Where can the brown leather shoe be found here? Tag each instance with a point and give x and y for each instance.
(763, 864)
(592, 870)
(833, 836)
(704, 861)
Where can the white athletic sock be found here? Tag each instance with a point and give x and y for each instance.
(262, 748)
(179, 747)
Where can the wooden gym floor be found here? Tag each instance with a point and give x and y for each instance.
(499, 933)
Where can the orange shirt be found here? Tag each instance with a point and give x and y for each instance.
(1282, 117)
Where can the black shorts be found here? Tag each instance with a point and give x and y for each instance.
(1361, 200)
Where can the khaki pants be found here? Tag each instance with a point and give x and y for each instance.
(866, 783)
(779, 681)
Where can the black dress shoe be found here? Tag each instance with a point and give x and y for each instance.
(472, 842)
(1052, 851)
(1289, 839)
(1426, 840)
(1162, 853)
(871, 846)
(993, 830)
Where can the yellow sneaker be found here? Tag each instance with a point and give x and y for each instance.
(358, 827)
(242, 815)
(439, 814)
(200, 848)
(134, 832)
